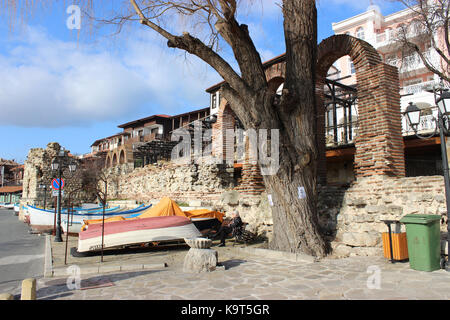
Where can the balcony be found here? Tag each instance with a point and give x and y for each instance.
(346, 133)
(389, 38)
(426, 126)
(343, 135)
(420, 87)
(413, 62)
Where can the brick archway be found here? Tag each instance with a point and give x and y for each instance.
(379, 143)
(114, 160)
(108, 161)
(122, 157)
(225, 121)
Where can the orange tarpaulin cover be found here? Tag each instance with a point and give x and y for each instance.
(204, 213)
(166, 207)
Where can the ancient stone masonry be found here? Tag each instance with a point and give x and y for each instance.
(180, 182)
(205, 185)
(352, 217)
(37, 170)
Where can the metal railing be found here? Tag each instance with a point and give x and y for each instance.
(427, 124)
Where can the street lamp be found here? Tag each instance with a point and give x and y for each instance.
(58, 165)
(412, 113)
(44, 186)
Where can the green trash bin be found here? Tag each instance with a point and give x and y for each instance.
(423, 237)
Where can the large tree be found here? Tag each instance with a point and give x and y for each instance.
(248, 94)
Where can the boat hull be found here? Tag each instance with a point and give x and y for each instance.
(43, 220)
(76, 224)
(129, 232)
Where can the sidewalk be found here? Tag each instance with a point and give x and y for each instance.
(247, 274)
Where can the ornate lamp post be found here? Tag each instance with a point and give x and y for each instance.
(58, 165)
(44, 186)
(412, 113)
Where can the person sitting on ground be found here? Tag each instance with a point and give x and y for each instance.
(234, 227)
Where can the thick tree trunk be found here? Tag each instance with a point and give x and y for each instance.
(296, 226)
(295, 219)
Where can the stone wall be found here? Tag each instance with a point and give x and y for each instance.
(202, 185)
(180, 182)
(351, 217)
(37, 170)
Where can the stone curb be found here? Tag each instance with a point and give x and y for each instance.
(48, 261)
(272, 254)
(62, 272)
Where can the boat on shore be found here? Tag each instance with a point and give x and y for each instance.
(43, 220)
(77, 221)
(162, 222)
(136, 231)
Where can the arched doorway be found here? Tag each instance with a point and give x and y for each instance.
(114, 160)
(122, 157)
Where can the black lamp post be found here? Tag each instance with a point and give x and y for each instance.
(44, 186)
(412, 113)
(58, 165)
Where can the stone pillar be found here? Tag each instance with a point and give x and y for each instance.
(379, 142)
(320, 133)
(223, 147)
(252, 180)
(200, 258)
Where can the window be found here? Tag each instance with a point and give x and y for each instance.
(360, 33)
(214, 100)
(351, 66)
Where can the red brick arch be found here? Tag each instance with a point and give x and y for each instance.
(114, 160)
(108, 161)
(379, 143)
(122, 157)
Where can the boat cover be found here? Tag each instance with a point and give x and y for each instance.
(166, 207)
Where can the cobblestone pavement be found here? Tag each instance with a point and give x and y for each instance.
(246, 277)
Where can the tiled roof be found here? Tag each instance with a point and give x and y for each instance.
(11, 189)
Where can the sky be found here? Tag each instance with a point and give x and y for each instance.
(60, 85)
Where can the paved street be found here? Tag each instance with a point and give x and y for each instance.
(246, 277)
(21, 253)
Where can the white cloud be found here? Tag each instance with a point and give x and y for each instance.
(52, 83)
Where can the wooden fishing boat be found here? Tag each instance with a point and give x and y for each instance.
(135, 231)
(43, 220)
(77, 221)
